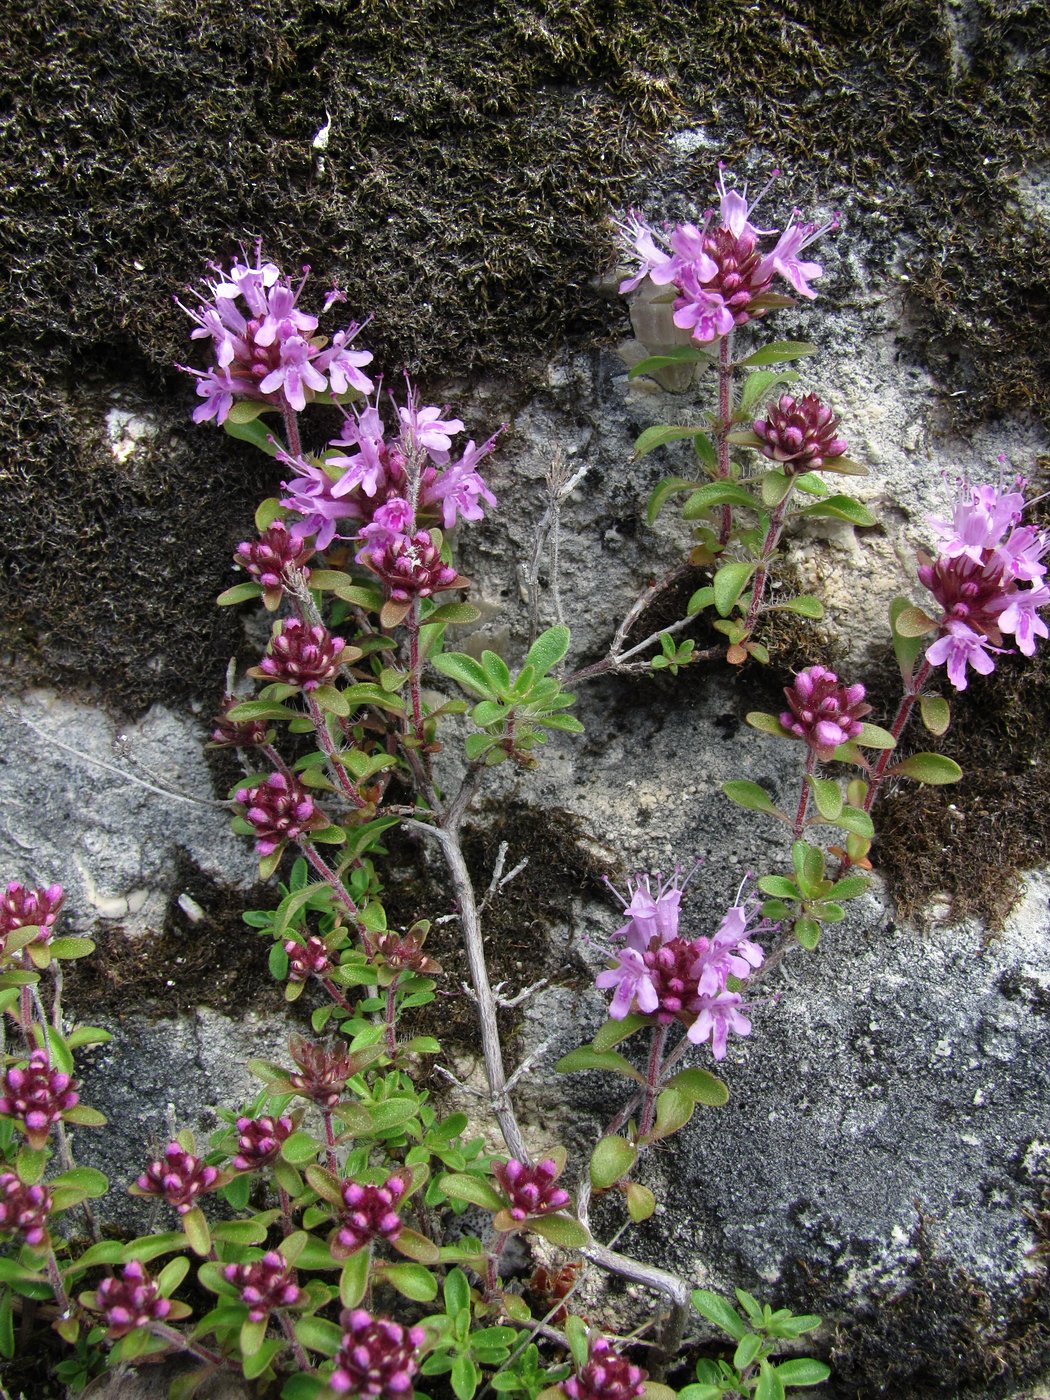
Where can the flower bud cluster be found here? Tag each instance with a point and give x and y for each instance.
(369, 1213)
(271, 557)
(264, 343)
(799, 434)
(259, 1141)
(988, 579)
(530, 1191)
(280, 809)
(661, 974)
(178, 1178)
(22, 908)
(266, 1284)
(237, 733)
(36, 1096)
(306, 960)
(303, 656)
(822, 711)
(377, 1357)
(720, 270)
(606, 1376)
(322, 1073)
(24, 1209)
(130, 1301)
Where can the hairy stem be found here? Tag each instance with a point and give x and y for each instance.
(769, 544)
(725, 419)
(653, 1075)
(336, 770)
(912, 692)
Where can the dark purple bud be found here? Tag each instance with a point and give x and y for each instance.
(377, 1357)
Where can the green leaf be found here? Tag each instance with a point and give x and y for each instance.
(317, 1334)
(805, 605)
(729, 582)
(465, 1378)
(718, 493)
(913, 622)
(700, 1086)
(767, 724)
(256, 1364)
(353, 1277)
(701, 1392)
(663, 491)
(455, 613)
(472, 1189)
(153, 1246)
(239, 593)
(779, 351)
(465, 671)
(702, 598)
(256, 432)
(86, 1179)
(84, 1117)
(827, 796)
(613, 1032)
(757, 385)
(681, 355)
(770, 1386)
(856, 821)
(300, 1148)
(747, 1349)
(196, 1231)
(936, 713)
(807, 931)
(849, 887)
(172, 1274)
(456, 1292)
(808, 862)
(840, 508)
(586, 1058)
(720, 1312)
(660, 435)
(906, 649)
(802, 1371)
(673, 1111)
(548, 649)
(933, 769)
(411, 1280)
(641, 1203)
(416, 1246)
(779, 887)
(872, 736)
(612, 1158)
(751, 797)
(561, 1230)
(775, 486)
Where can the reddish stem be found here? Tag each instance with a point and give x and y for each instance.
(653, 1073)
(324, 738)
(725, 417)
(291, 430)
(803, 798)
(329, 1137)
(769, 544)
(334, 883)
(911, 694)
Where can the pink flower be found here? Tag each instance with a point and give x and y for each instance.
(265, 1284)
(24, 1209)
(606, 1375)
(424, 428)
(178, 1177)
(530, 1190)
(720, 269)
(303, 656)
(36, 1096)
(369, 1213)
(21, 907)
(799, 434)
(259, 1141)
(823, 712)
(130, 1302)
(269, 558)
(280, 809)
(377, 1357)
(987, 557)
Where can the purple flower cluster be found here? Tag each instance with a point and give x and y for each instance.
(377, 1357)
(23, 1209)
(988, 579)
(259, 1141)
(530, 1191)
(36, 1096)
(303, 656)
(178, 1177)
(799, 434)
(369, 1213)
(264, 343)
(129, 1302)
(719, 269)
(384, 489)
(22, 908)
(233, 733)
(606, 1376)
(266, 1284)
(280, 809)
(822, 711)
(671, 978)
